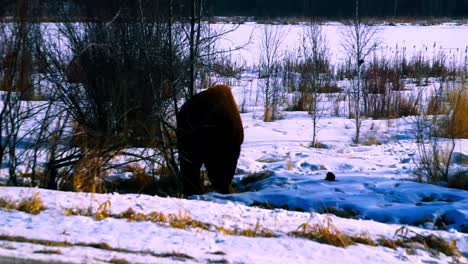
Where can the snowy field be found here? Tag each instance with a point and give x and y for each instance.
(375, 192)
(407, 40)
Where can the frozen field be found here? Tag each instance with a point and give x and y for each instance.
(406, 39)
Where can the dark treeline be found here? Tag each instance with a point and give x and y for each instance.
(339, 8)
(255, 8)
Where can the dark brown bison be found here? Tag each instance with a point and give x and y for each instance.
(209, 132)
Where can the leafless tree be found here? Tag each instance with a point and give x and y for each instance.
(315, 67)
(18, 40)
(359, 41)
(271, 39)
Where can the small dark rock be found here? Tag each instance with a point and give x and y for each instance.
(330, 176)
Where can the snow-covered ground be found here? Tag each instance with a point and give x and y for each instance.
(373, 181)
(374, 189)
(143, 241)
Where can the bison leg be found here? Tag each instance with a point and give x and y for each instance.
(221, 170)
(190, 176)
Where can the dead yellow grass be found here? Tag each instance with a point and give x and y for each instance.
(450, 113)
(431, 243)
(32, 205)
(140, 176)
(370, 140)
(290, 165)
(181, 220)
(102, 211)
(267, 115)
(89, 173)
(459, 102)
(325, 233)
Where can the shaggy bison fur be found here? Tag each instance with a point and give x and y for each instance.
(209, 132)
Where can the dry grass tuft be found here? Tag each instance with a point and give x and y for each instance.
(290, 164)
(390, 243)
(430, 243)
(140, 176)
(364, 239)
(459, 125)
(325, 233)
(450, 113)
(133, 216)
(256, 231)
(32, 205)
(267, 116)
(119, 261)
(90, 173)
(318, 145)
(102, 212)
(370, 140)
(255, 177)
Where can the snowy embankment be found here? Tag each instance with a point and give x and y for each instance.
(148, 242)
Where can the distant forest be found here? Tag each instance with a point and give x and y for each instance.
(333, 9)
(339, 8)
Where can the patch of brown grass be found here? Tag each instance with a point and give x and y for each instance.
(267, 115)
(290, 164)
(140, 176)
(32, 205)
(328, 234)
(90, 173)
(133, 216)
(450, 113)
(102, 212)
(370, 140)
(412, 241)
(325, 233)
(256, 231)
(459, 124)
(364, 239)
(119, 261)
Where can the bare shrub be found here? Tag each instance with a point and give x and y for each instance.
(459, 180)
(436, 136)
(433, 161)
(270, 42)
(391, 104)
